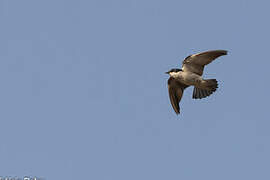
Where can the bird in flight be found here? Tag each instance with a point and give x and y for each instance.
(191, 75)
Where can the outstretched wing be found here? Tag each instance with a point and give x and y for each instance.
(196, 62)
(176, 90)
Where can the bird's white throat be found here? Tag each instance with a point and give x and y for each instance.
(174, 74)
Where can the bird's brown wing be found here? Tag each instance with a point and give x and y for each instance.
(196, 62)
(176, 90)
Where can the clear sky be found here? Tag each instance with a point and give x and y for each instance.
(83, 93)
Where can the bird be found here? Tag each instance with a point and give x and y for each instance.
(191, 75)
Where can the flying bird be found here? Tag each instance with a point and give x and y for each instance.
(191, 75)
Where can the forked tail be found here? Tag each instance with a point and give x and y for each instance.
(211, 86)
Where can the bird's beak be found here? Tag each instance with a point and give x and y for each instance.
(167, 72)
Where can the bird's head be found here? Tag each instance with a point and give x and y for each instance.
(173, 71)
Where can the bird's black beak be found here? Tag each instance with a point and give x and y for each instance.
(167, 72)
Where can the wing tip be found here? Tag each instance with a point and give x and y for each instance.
(176, 110)
(224, 52)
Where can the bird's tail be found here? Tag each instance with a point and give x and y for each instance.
(210, 85)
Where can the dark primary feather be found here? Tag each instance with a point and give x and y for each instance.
(176, 90)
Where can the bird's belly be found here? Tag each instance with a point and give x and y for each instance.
(190, 79)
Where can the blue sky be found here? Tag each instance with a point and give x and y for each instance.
(84, 95)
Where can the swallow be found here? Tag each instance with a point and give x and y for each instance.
(191, 75)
